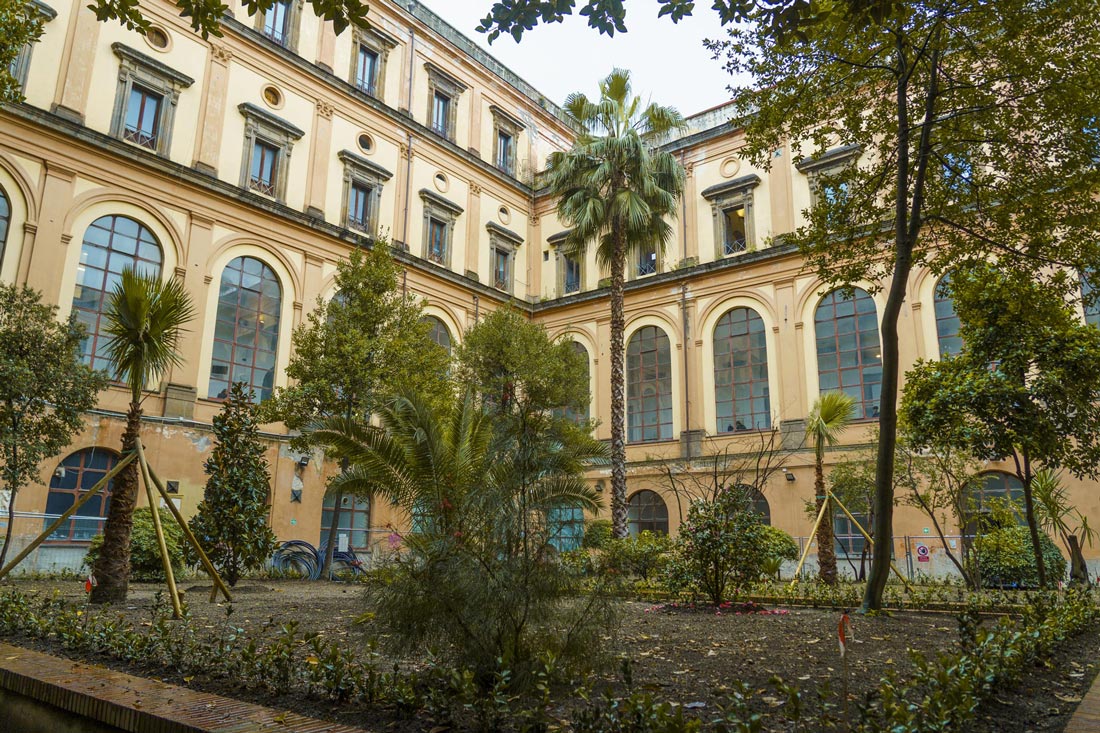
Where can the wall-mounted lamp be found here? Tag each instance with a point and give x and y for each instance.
(599, 486)
(303, 461)
(788, 475)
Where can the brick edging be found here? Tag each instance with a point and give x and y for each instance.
(141, 705)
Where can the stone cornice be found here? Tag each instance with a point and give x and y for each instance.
(137, 57)
(349, 158)
(250, 110)
(506, 234)
(443, 203)
(737, 185)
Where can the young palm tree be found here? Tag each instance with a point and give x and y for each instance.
(616, 191)
(474, 576)
(831, 414)
(144, 321)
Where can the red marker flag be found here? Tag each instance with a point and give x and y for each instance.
(89, 583)
(842, 630)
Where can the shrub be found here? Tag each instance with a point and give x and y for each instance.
(778, 545)
(644, 556)
(597, 534)
(145, 562)
(721, 543)
(1005, 557)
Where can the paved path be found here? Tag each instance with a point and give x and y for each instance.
(140, 705)
(1086, 719)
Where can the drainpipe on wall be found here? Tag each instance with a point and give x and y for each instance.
(477, 309)
(408, 135)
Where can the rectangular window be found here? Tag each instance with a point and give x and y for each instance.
(437, 241)
(734, 240)
(359, 214)
(504, 152)
(366, 70)
(571, 277)
(275, 22)
(441, 107)
(264, 168)
(142, 117)
(502, 268)
(647, 262)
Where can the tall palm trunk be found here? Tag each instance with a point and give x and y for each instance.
(826, 550)
(618, 405)
(112, 568)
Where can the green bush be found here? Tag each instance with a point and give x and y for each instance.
(1005, 557)
(644, 556)
(721, 544)
(778, 545)
(597, 534)
(145, 562)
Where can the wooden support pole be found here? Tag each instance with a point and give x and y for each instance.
(810, 539)
(173, 592)
(870, 541)
(208, 566)
(126, 461)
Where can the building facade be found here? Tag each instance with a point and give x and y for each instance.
(247, 166)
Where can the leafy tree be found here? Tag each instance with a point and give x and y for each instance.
(515, 366)
(830, 415)
(722, 543)
(475, 573)
(206, 15)
(231, 522)
(145, 561)
(353, 351)
(143, 323)
(614, 190)
(968, 128)
(44, 390)
(513, 17)
(22, 25)
(1026, 384)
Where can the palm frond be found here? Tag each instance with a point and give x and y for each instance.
(831, 414)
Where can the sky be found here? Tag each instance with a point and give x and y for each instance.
(560, 58)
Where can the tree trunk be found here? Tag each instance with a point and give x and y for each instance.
(1078, 571)
(826, 542)
(618, 405)
(1033, 524)
(112, 568)
(8, 531)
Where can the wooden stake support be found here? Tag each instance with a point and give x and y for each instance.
(166, 562)
(829, 497)
(94, 491)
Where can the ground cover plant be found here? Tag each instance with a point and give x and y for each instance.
(307, 646)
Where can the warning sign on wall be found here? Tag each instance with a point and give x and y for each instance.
(922, 553)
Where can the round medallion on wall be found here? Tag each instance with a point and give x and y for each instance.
(365, 143)
(272, 96)
(158, 39)
(504, 215)
(729, 167)
(442, 183)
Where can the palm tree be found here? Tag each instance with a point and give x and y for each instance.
(831, 414)
(144, 322)
(474, 575)
(615, 190)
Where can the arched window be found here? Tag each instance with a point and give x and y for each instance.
(758, 503)
(648, 386)
(584, 414)
(1092, 309)
(246, 335)
(5, 222)
(848, 353)
(111, 245)
(354, 521)
(741, 372)
(74, 476)
(947, 322)
(565, 525)
(646, 510)
(439, 332)
(997, 485)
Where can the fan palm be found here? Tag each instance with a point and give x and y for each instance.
(830, 415)
(616, 191)
(474, 576)
(144, 322)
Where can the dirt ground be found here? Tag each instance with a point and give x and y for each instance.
(681, 655)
